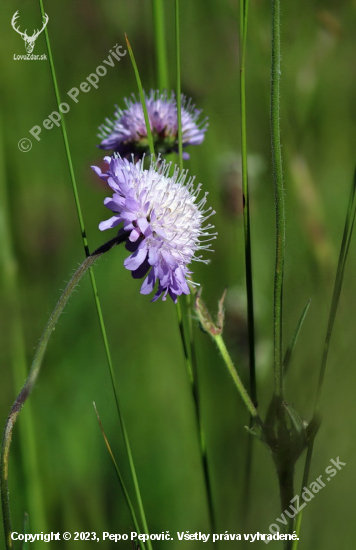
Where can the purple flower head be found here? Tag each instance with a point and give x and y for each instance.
(164, 219)
(126, 134)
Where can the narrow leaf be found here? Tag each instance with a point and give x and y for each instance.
(142, 97)
(344, 250)
(345, 245)
(120, 478)
(293, 341)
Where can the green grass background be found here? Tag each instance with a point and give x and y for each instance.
(79, 488)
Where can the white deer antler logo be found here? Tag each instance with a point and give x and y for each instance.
(29, 40)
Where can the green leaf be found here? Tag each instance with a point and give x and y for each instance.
(142, 97)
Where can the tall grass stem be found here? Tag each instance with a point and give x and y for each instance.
(178, 85)
(187, 334)
(279, 196)
(160, 43)
(93, 281)
(244, 5)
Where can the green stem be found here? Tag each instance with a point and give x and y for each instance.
(160, 41)
(184, 344)
(279, 196)
(244, 4)
(32, 377)
(65, 138)
(133, 471)
(190, 356)
(77, 202)
(191, 368)
(235, 377)
(92, 278)
(152, 152)
(178, 84)
(297, 530)
(286, 489)
(246, 210)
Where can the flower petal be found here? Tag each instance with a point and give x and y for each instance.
(136, 259)
(149, 283)
(110, 223)
(134, 235)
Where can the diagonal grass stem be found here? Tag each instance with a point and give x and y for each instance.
(339, 278)
(33, 375)
(120, 478)
(187, 335)
(93, 282)
(142, 98)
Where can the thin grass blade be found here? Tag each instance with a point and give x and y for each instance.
(292, 343)
(142, 98)
(339, 278)
(344, 250)
(95, 291)
(120, 478)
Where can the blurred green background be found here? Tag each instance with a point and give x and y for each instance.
(75, 481)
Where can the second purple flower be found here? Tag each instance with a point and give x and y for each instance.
(126, 133)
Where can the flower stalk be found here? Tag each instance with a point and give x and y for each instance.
(244, 5)
(279, 196)
(160, 42)
(246, 202)
(215, 328)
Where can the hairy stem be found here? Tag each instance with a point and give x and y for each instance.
(33, 375)
(235, 377)
(279, 196)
